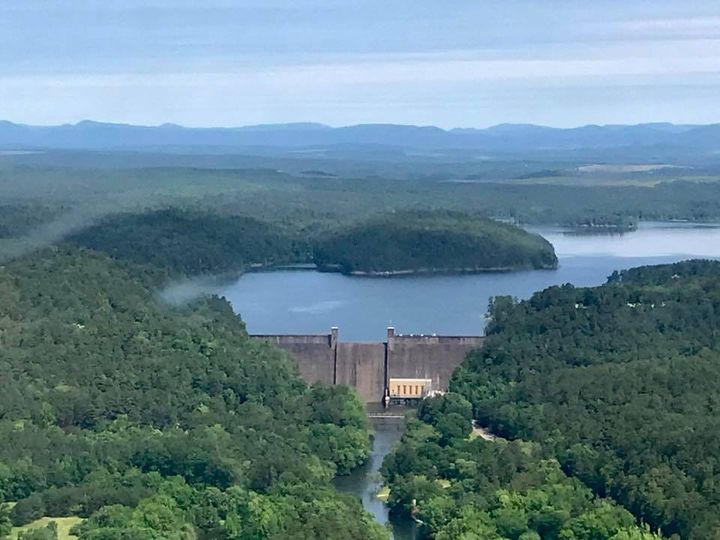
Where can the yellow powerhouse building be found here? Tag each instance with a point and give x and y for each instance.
(409, 388)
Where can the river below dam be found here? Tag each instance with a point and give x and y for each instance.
(306, 301)
(366, 481)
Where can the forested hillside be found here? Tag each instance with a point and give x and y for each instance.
(192, 242)
(409, 242)
(620, 384)
(460, 486)
(155, 423)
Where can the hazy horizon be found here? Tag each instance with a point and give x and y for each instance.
(336, 126)
(465, 64)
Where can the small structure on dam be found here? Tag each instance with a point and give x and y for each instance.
(408, 389)
(402, 368)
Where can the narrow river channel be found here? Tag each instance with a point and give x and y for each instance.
(366, 481)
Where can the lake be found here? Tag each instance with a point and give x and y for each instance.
(306, 301)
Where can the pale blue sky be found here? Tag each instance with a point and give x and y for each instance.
(446, 62)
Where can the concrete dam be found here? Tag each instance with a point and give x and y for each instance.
(404, 367)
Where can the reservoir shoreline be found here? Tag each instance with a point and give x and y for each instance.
(303, 301)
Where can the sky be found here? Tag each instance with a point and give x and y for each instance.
(450, 63)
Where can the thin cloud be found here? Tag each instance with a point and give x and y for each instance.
(674, 27)
(678, 57)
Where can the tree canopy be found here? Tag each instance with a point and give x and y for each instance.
(155, 422)
(619, 384)
(191, 242)
(432, 242)
(463, 487)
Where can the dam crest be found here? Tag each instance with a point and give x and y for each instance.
(402, 368)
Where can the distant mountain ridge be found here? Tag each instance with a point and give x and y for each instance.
(504, 137)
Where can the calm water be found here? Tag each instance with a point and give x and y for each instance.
(295, 301)
(366, 481)
(311, 302)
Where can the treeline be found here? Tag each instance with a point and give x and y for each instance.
(432, 242)
(156, 423)
(459, 486)
(619, 384)
(617, 223)
(569, 205)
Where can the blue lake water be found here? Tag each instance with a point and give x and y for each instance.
(306, 301)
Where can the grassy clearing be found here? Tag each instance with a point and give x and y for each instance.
(64, 525)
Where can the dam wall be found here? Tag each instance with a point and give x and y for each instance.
(428, 357)
(370, 367)
(362, 366)
(314, 354)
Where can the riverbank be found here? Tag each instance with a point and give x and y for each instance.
(435, 271)
(366, 481)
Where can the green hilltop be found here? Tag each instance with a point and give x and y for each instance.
(421, 242)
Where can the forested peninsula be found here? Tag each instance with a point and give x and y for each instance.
(428, 242)
(614, 386)
(191, 242)
(145, 422)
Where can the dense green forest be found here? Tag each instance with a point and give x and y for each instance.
(188, 214)
(158, 423)
(48, 185)
(619, 383)
(17, 220)
(192, 242)
(432, 242)
(461, 487)
(155, 423)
